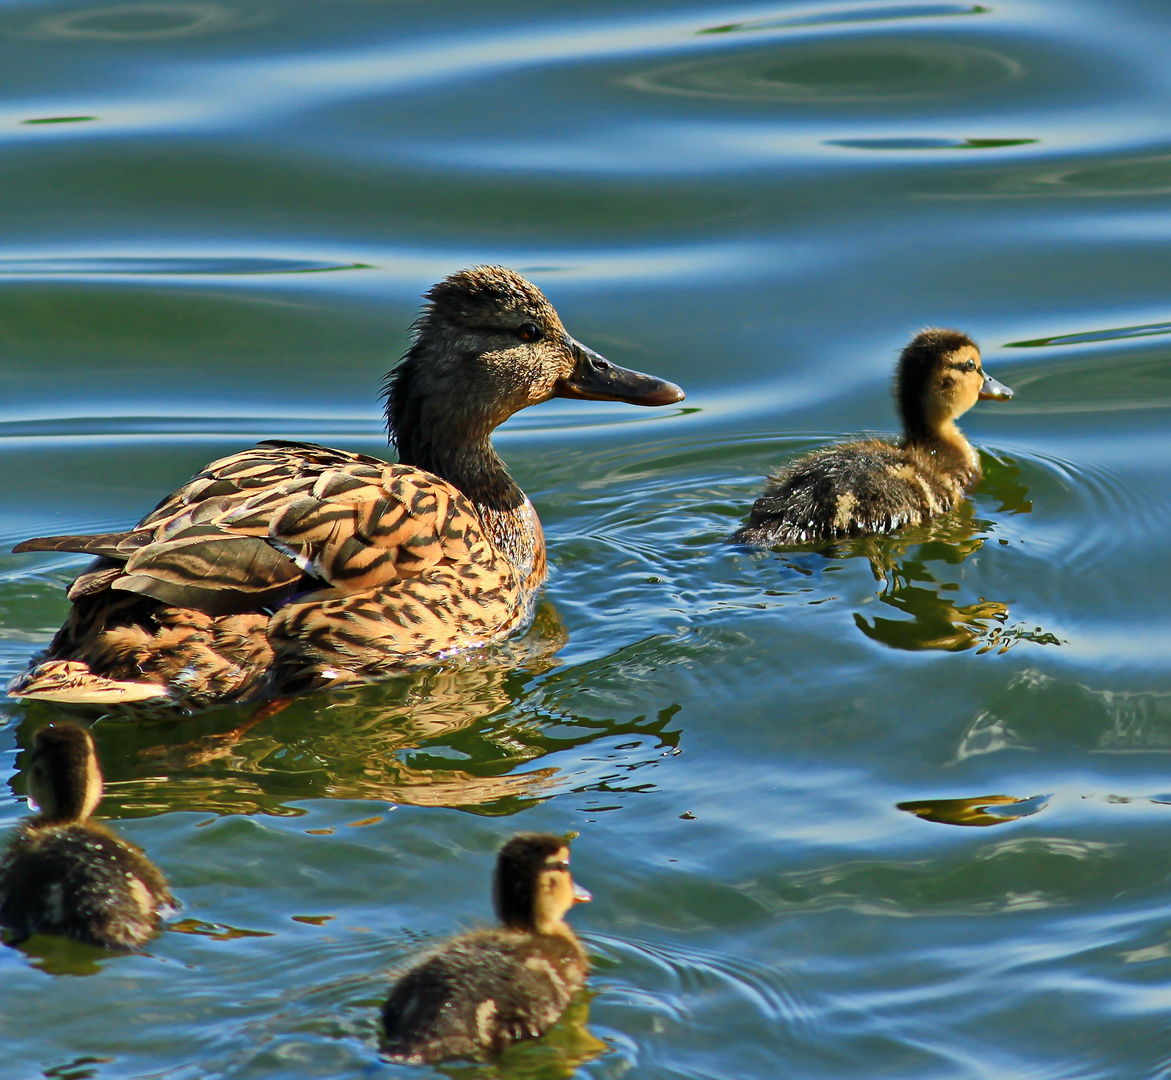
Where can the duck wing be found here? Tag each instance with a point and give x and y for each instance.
(363, 523)
(242, 534)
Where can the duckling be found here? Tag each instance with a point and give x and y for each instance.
(873, 486)
(61, 873)
(292, 567)
(482, 991)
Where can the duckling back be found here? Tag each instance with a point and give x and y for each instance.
(81, 881)
(480, 993)
(855, 489)
(869, 486)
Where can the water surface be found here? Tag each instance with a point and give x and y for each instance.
(898, 812)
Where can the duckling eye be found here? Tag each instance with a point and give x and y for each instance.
(529, 332)
(559, 866)
(970, 365)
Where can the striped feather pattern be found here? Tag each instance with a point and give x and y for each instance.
(288, 565)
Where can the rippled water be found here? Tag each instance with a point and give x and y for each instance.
(217, 221)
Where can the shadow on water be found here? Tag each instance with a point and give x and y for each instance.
(877, 69)
(459, 736)
(1037, 711)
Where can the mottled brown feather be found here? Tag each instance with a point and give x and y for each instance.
(292, 566)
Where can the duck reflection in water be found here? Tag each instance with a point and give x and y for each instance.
(63, 874)
(479, 993)
(467, 735)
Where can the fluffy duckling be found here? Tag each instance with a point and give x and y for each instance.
(481, 991)
(293, 567)
(873, 486)
(61, 873)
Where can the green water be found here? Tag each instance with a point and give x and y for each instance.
(217, 219)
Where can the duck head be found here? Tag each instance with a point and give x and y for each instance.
(533, 888)
(64, 779)
(940, 377)
(487, 345)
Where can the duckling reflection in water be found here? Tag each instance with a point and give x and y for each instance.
(937, 620)
(872, 486)
(906, 564)
(61, 873)
(938, 623)
(482, 991)
(979, 812)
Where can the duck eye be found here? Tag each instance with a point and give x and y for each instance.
(970, 365)
(528, 332)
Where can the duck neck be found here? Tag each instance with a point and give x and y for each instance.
(453, 440)
(473, 466)
(67, 797)
(946, 444)
(538, 924)
(73, 808)
(555, 927)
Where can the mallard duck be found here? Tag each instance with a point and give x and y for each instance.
(479, 992)
(872, 486)
(292, 567)
(61, 873)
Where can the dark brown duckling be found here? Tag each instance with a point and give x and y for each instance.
(291, 567)
(482, 991)
(874, 486)
(61, 873)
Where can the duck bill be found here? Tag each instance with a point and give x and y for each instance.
(594, 378)
(994, 391)
(580, 895)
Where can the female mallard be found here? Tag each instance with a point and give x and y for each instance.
(291, 567)
(482, 991)
(62, 874)
(872, 486)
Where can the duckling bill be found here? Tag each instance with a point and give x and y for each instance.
(63, 874)
(480, 992)
(872, 486)
(292, 567)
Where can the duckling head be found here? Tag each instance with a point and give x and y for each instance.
(940, 377)
(488, 344)
(533, 888)
(64, 779)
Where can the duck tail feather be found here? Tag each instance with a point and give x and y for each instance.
(117, 545)
(72, 682)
